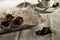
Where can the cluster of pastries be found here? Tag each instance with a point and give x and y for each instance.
(10, 23)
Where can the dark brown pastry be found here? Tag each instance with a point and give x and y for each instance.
(9, 17)
(44, 31)
(18, 21)
(5, 23)
(56, 5)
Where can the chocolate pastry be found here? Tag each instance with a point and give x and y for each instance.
(18, 21)
(9, 17)
(44, 31)
(5, 23)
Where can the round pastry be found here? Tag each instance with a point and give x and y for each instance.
(5, 23)
(18, 20)
(9, 17)
(56, 5)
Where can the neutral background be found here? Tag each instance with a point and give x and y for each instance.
(54, 17)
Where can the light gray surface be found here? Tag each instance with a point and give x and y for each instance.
(10, 36)
(29, 34)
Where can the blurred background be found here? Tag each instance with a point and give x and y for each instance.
(55, 19)
(13, 3)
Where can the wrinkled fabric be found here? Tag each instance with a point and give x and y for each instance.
(31, 17)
